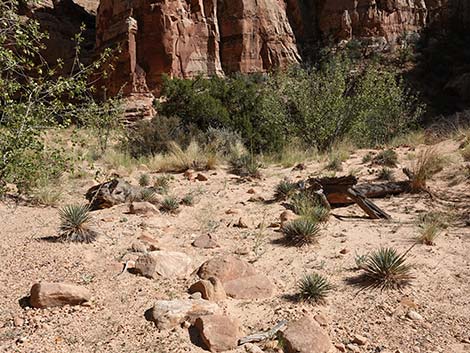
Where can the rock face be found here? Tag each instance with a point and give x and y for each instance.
(167, 314)
(216, 37)
(240, 279)
(219, 333)
(306, 336)
(45, 295)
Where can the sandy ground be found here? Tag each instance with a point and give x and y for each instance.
(115, 320)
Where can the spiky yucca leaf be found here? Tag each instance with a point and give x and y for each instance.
(386, 269)
(301, 231)
(314, 288)
(148, 195)
(169, 205)
(74, 226)
(284, 190)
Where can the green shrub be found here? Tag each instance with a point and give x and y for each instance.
(162, 183)
(144, 179)
(246, 165)
(314, 288)
(308, 206)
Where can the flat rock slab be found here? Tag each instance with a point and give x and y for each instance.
(46, 295)
(163, 263)
(239, 278)
(219, 333)
(305, 336)
(252, 287)
(167, 314)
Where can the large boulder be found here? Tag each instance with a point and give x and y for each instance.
(110, 193)
(167, 314)
(239, 278)
(219, 333)
(305, 336)
(170, 264)
(45, 295)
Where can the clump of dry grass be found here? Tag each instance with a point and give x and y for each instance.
(386, 174)
(427, 164)
(179, 160)
(428, 233)
(387, 158)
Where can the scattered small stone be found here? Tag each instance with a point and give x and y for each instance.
(189, 174)
(341, 347)
(251, 191)
(256, 199)
(144, 207)
(360, 340)
(300, 166)
(344, 251)
(413, 315)
(196, 295)
(219, 333)
(138, 246)
(18, 321)
(201, 177)
(321, 319)
(45, 294)
(353, 347)
(241, 224)
(252, 348)
(232, 211)
(205, 241)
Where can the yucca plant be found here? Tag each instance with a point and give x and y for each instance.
(148, 195)
(388, 158)
(308, 206)
(314, 288)
(284, 190)
(386, 269)
(301, 231)
(386, 174)
(162, 183)
(188, 200)
(144, 180)
(169, 205)
(75, 224)
(428, 233)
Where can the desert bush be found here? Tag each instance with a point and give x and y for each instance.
(246, 165)
(308, 206)
(301, 231)
(368, 157)
(334, 164)
(34, 97)
(314, 288)
(386, 269)
(388, 158)
(284, 190)
(75, 224)
(169, 205)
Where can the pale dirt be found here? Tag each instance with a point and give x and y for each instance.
(115, 320)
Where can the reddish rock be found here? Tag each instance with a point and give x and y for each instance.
(210, 289)
(45, 295)
(205, 241)
(219, 333)
(201, 177)
(150, 242)
(305, 336)
(239, 278)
